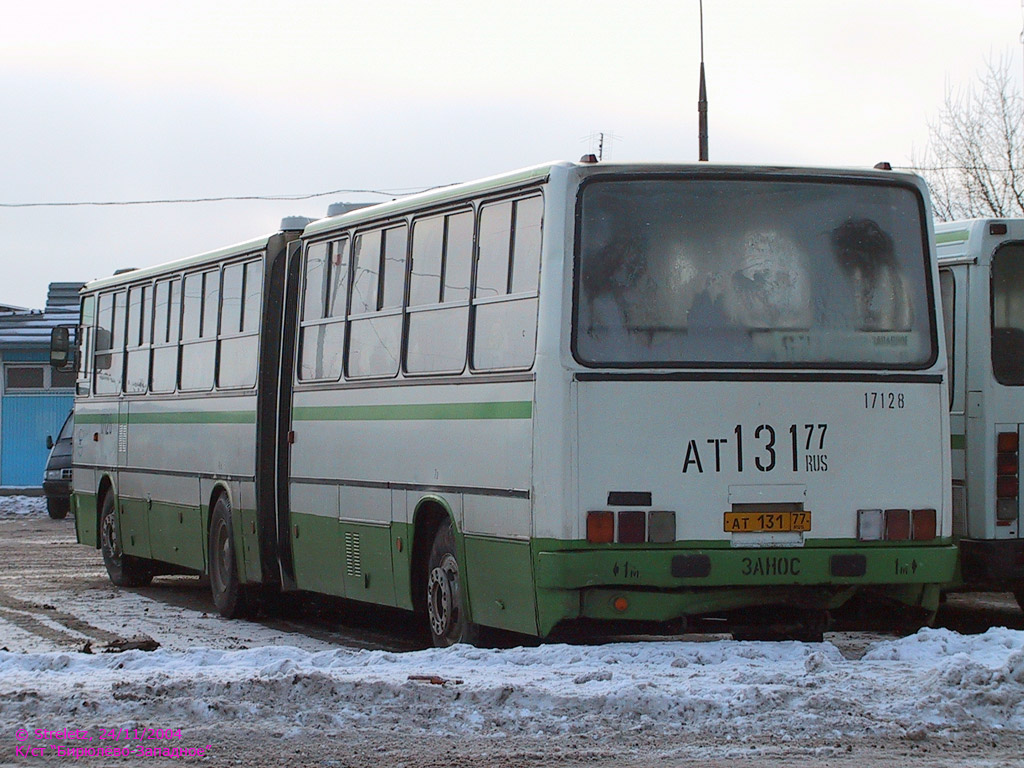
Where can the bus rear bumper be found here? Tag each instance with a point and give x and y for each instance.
(989, 563)
(664, 585)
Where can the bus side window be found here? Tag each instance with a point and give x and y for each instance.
(140, 316)
(378, 290)
(325, 291)
(241, 293)
(109, 356)
(1008, 314)
(199, 329)
(166, 322)
(505, 297)
(442, 248)
(86, 335)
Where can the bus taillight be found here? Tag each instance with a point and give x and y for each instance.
(896, 524)
(600, 527)
(869, 524)
(1007, 480)
(632, 527)
(924, 525)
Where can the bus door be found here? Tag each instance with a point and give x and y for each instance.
(286, 274)
(953, 282)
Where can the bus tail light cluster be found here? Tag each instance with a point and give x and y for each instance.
(632, 526)
(896, 524)
(1007, 479)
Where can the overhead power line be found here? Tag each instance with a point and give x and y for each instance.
(221, 199)
(932, 168)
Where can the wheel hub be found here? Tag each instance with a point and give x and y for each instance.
(219, 562)
(108, 534)
(443, 596)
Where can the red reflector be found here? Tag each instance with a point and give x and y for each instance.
(1007, 442)
(600, 527)
(897, 524)
(1007, 487)
(1006, 463)
(632, 527)
(923, 524)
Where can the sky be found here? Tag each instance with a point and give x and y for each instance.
(140, 100)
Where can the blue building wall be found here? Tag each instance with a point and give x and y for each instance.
(29, 412)
(26, 421)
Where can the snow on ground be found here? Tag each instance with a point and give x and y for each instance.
(720, 697)
(933, 683)
(22, 506)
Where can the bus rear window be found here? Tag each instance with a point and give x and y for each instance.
(1008, 314)
(751, 272)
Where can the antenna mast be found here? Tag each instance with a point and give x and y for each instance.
(702, 99)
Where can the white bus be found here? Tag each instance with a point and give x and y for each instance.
(629, 394)
(981, 273)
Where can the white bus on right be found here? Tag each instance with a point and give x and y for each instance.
(981, 274)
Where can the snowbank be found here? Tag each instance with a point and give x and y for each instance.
(21, 506)
(936, 681)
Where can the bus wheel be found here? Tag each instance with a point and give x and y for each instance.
(124, 570)
(446, 604)
(228, 593)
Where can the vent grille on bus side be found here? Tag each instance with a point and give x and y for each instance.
(353, 555)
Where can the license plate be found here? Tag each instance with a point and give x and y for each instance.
(767, 522)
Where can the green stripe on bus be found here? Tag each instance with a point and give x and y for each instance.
(957, 236)
(173, 417)
(958, 442)
(515, 409)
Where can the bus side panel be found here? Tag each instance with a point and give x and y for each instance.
(135, 532)
(316, 538)
(500, 575)
(402, 537)
(176, 531)
(367, 562)
(183, 439)
(247, 531)
(94, 452)
(353, 447)
(84, 505)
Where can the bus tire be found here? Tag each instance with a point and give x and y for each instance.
(228, 593)
(124, 570)
(447, 613)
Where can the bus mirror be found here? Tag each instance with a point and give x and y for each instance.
(60, 347)
(49, 442)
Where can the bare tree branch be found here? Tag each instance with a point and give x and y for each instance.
(974, 162)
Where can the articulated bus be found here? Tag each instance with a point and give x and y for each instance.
(578, 393)
(981, 274)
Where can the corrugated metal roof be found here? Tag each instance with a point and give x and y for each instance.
(30, 329)
(63, 296)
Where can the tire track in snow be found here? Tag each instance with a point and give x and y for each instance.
(37, 619)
